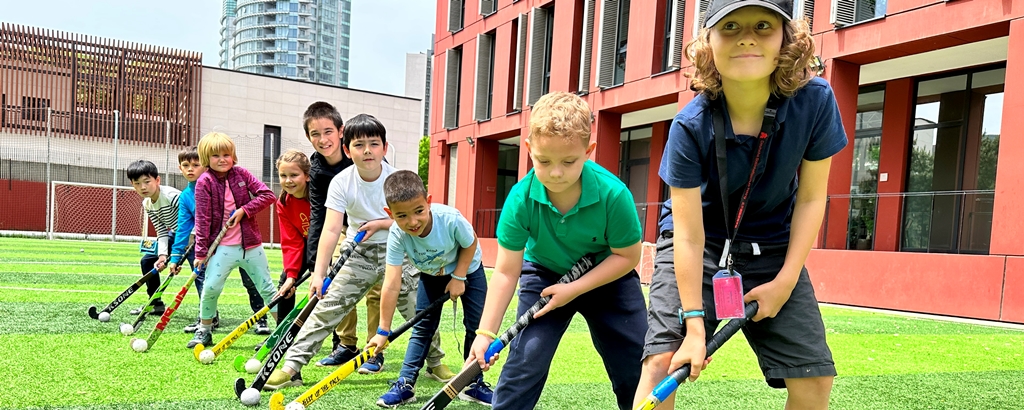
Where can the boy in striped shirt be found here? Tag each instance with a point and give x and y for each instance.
(161, 205)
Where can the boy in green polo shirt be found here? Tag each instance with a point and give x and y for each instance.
(565, 207)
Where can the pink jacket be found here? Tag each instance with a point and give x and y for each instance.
(251, 196)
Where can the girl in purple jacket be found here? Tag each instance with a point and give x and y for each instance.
(221, 190)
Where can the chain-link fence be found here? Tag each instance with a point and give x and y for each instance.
(72, 187)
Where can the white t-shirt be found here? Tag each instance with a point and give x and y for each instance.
(449, 233)
(362, 201)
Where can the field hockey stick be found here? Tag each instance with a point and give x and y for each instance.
(95, 314)
(241, 361)
(472, 369)
(148, 307)
(669, 384)
(154, 335)
(277, 353)
(232, 337)
(321, 388)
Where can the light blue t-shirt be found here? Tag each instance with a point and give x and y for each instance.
(440, 249)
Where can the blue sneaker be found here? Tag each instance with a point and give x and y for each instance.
(374, 365)
(339, 356)
(479, 392)
(401, 392)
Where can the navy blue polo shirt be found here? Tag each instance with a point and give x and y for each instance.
(807, 127)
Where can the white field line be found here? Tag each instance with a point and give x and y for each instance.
(112, 292)
(979, 322)
(15, 261)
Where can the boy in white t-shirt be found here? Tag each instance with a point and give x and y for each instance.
(358, 192)
(441, 243)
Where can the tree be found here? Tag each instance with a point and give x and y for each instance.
(424, 165)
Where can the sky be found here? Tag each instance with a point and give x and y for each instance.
(383, 31)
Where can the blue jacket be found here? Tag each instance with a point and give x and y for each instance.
(186, 222)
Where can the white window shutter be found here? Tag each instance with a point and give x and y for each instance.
(606, 47)
(588, 45)
(677, 30)
(698, 15)
(484, 42)
(517, 95)
(454, 15)
(538, 35)
(844, 12)
(451, 88)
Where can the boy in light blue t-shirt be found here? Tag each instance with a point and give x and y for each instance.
(439, 242)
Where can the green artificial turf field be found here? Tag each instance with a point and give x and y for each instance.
(55, 356)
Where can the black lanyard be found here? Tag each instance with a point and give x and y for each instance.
(723, 175)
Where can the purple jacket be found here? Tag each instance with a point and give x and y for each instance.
(251, 196)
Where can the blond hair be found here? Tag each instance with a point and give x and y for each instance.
(793, 69)
(561, 114)
(215, 143)
(294, 156)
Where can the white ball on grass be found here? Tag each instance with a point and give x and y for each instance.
(82, 250)
(294, 406)
(206, 357)
(104, 317)
(252, 366)
(140, 345)
(127, 329)
(250, 397)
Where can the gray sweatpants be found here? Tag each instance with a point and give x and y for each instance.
(363, 270)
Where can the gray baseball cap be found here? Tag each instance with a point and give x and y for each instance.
(718, 9)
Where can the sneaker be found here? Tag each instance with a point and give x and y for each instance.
(191, 328)
(261, 327)
(279, 379)
(339, 356)
(202, 336)
(158, 309)
(440, 373)
(479, 392)
(401, 392)
(374, 365)
(136, 311)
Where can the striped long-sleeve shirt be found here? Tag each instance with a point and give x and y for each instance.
(164, 215)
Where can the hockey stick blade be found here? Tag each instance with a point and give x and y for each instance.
(669, 384)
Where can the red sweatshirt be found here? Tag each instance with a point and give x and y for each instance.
(293, 219)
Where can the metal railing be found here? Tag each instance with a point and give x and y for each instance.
(937, 221)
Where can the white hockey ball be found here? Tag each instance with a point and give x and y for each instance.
(127, 329)
(252, 366)
(250, 397)
(206, 356)
(104, 317)
(294, 406)
(140, 345)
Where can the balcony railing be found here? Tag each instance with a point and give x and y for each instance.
(939, 221)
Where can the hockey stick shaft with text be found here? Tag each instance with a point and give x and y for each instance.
(277, 353)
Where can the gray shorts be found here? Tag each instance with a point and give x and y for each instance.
(790, 345)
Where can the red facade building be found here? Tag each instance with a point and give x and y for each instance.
(926, 204)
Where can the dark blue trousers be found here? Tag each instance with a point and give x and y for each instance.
(430, 289)
(617, 316)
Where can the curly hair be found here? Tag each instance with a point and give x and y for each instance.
(561, 114)
(792, 71)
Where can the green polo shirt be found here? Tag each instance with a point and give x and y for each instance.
(604, 218)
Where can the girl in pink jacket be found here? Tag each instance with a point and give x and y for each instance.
(220, 191)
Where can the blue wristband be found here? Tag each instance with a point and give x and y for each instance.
(383, 332)
(459, 278)
(683, 315)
